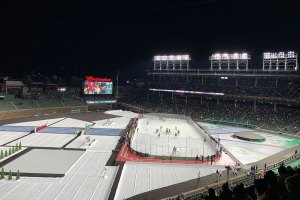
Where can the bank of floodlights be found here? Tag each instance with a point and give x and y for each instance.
(171, 62)
(280, 61)
(227, 61)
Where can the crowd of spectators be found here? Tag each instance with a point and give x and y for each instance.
(283, 118)
(282, 186)
(249, 86)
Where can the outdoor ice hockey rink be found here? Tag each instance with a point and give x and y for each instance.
(181, 140)
(90, 177)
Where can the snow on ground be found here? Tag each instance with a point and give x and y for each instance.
(6, 136)
(249, 152)
(245, 151)
(87, 179)
(116, 123)
(271, 139)
(45, 140)
(101, 143)
(122, 113)
(69, 122)
(188, 143)
(36, 123)
(45, 161)
(138, 178)
(219, 129)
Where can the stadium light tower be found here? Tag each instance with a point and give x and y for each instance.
(235, 61)
(280, 61)
(171, 62)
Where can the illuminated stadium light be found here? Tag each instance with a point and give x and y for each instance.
(225, 56)
(236, 61)
(171, 62)
(172, 57)
(235, 56)
(164, 57)
(156, 58)
(185, 57)
(290, 54)
(244, 56)
(178, 57)
(280, 61)
(216, 56)
(280, 55)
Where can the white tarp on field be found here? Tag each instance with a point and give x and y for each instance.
(138, 178)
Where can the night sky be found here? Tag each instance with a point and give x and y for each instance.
(70, 38)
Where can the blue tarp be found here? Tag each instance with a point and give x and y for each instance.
(60, 130)
(17, 128)
(103, 131)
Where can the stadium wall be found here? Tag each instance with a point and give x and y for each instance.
(41, 111)
(126, 106)
(278, 132)
(100, 107)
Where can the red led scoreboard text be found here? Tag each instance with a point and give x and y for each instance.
(91, 78)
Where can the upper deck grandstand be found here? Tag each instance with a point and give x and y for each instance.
(267, 99)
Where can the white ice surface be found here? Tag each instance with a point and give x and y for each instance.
(188, 143)
(139, 177)
(101, 143)
(123, 113)
(115, 123)
(44, 140)
(36, 123)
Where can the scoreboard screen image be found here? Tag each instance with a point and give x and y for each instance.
(97, 87)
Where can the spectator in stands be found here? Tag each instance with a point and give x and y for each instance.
(211, 194)
(272, 189)
(290, 170)
(281, 179)
(260, 187)
(226, 193)
(293, 188)
(263, 115)
(239, 193)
